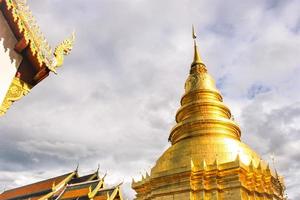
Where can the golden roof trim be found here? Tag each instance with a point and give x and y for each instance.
(115, 193)
(93, 192)
(59, 186)
(16, 91)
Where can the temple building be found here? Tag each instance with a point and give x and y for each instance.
(207, 159)
(25, 56)
(67, 186)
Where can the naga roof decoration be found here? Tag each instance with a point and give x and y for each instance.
(38, 58)
(33, 37)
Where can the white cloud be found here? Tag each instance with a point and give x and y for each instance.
(115, 99)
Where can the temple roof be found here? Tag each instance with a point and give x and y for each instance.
(112, 193)
(80, 189)
(89, 177)
(67, 186)
(34, 189)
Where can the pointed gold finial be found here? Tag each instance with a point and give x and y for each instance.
(194, 34)
(77, 167)
(197, 58)
(98, 168)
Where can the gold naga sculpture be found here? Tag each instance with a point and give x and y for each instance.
(60, 51)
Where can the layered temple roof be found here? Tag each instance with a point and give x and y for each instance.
(38, 58)
(67, 186)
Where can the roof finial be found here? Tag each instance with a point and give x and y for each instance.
(97, 171)
(77, 167)
(197, 58)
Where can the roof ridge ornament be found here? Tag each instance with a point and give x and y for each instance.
(63, 49)
(92, 192)
(77, 167)
(57, 187)
(98, 168)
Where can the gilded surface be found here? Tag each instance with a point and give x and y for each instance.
(38, 46)
(56, 188)
(61, 50)
(16, 91)
(207, 159)
(10, 60)
(34, 37)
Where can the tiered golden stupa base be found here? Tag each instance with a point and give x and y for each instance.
(234, 181)
(185, 171)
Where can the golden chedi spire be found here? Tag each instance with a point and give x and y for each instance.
(206, 159)
(202, 104)
(197, 57)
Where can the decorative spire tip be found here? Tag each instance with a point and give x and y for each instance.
(197, 58)
(77, 167)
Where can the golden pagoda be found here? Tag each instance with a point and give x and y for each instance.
(207, 159)
(26, 57)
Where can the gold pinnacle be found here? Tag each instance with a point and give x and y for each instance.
(197, 59)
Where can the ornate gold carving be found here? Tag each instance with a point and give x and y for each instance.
(33, 36)
(190, 83)
(257, 178)
(56, 188)
(115, 193)
(92, 192)
(61, 50)
(16, 91)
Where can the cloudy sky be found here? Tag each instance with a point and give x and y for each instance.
(114, 100)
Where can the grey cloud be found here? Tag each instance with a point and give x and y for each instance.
(61, 150)
(275, 130)
(115, 98)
